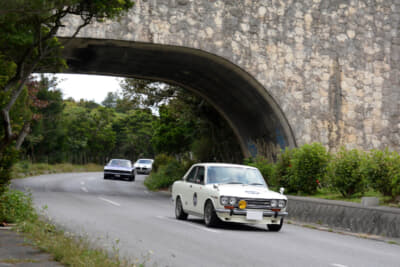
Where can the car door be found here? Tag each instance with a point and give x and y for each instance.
(198, 191)
(187, 190)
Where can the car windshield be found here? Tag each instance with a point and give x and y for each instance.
(145, 161)
(234, 175)
(120, 163)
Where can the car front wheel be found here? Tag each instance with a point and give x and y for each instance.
(275, 227)
(210, 217)
(180, 214)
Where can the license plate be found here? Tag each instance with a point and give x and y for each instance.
(117, 175)
(254, 215)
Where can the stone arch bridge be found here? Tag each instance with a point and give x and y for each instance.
(282, 72)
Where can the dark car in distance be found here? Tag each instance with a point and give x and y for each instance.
(120, 169)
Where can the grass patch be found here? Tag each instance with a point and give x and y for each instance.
(18, 261)
(24, 168)
(309, 226)
(15, 207)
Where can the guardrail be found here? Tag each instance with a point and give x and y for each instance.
(354, 217)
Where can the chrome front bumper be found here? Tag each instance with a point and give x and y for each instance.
(266, 213)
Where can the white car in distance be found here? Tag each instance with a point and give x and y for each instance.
(143, 166)
(230, 193)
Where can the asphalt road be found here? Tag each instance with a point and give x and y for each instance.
(140, 225)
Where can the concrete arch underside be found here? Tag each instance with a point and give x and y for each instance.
(258, 122)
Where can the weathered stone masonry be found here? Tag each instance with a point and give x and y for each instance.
(333, 66)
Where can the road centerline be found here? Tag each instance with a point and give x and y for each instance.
(110, 201)
(84, 189)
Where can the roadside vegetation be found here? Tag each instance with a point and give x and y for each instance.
(346, 175)
(166, 170)
(311, 170)
(25, 168)
(16, 208)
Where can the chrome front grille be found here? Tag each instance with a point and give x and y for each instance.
(117, 171)
(253, 203)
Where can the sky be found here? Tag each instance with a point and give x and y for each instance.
(89, 87)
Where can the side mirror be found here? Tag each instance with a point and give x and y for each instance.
(281, 190)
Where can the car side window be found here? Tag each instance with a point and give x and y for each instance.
(192, 175)
(200, 176)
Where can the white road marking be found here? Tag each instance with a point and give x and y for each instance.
(84, 189)
(110, 201)
(338, 265)
(190, 224)
(82, 183)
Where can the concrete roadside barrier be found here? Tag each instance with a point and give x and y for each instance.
(353, 217)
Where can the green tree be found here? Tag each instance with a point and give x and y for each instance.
(134, 131)
(47, 136)
(28, 44)
(111, 100)
(381, 168)
(172, 133)
(186, 121)
(309, 164)
(345, 172)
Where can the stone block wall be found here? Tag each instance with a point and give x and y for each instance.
(333, 66)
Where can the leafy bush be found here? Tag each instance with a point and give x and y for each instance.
(283, 173)
(161, 159)
(345, 172)
(165, 176)
(309, 164)
(15, 206)
(266, 168)
(396, 185)
(380, 169)
(7, 160)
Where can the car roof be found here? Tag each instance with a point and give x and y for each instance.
(121, 159)
(216, 164)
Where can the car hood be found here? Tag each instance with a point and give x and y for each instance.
(117, 168)
(247, 191)
(142, 165)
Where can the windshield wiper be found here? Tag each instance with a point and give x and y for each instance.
(234, 183)
(256, 184)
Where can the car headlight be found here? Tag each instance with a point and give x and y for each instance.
(281, 203)
(228, 201)
(224, 200)
(274, 203)
(232, 201)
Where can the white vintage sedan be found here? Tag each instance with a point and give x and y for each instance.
(228, 192)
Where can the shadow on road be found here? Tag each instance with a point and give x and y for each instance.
(230, 226)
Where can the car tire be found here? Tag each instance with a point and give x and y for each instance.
(180, 214)
(210, 216)
(105, 177)
(275, 227)
(132, 178)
